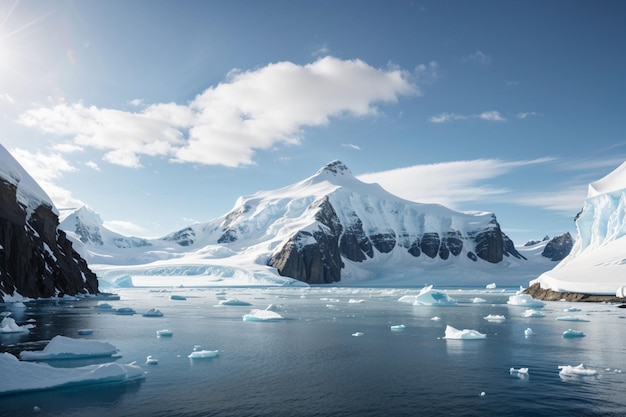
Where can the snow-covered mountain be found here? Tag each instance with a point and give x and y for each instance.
(36, 258)
(597, 262)
(328, 228)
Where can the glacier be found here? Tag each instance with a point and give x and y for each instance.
(352, 232)
(597, 261)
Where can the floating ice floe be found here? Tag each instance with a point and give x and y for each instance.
(151, 360)
(430, 297)
(262, 315)
(202, 354)
(85, 332)
(520, 372)
(478, 300)
(524, 300)
(435, 318)
(164, 333)
(569, 333)
(177, 297)
(571, 309)
(571, 318)
(529, 332)
(153, 312)
(398, 328)
(569, 371)
(495, 317)
(355, 301)
(61, 347)
(28, 376)
(125, 311)
(233, 302)
(491, 286)
(358, 334)
(533, 313)
(104, 306)
(8, 325)
(465, 334)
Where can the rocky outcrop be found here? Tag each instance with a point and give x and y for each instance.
(559, 247)
(313, 256)
(36, 258)
(539, 293)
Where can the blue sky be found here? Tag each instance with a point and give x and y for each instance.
(158, 114)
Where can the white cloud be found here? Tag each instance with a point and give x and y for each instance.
(478, 57)
(92, 165)
(226, 124)
(351, 146)
(448, 183)
(427, 73)
(46, 169)
(136, 102)
(123, 227)
(567, 201)
(525, 115)
(491, 116)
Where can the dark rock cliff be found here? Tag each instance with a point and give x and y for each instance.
(559, 247)
(36, 258)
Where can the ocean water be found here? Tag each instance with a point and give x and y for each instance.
(310, 364)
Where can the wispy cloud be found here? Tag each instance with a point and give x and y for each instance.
(449, 183)
(92, 165)
(46, 169)
(525, 115)
(427, 73)
(567, 201)
(491, 116)
(351, 146)
(478, 57)
(226, 124)
(123, 227)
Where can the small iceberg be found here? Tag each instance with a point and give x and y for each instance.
(521, 372)
(151, 360)
(494, 317)
(164, 333)
(491, 286)
(85, 332)
(234, 302)
(435, 318)
(178, 297)
(568, 371)
(465, 334)
(125, 311)
(104, 306)
(8, 325)
(524, 300)
(571, 309)
(153, 312)
(571, 318)
(533, 313)
(478, 300)
(398, 328)
(262, 315)
(355, 301)
(61, 347)
(430, 297)
(202, 354)
(528, 332)
(569, 333)
(31, 376)
(358, 334)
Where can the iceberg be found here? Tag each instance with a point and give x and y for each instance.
(494, 317)
(85, 332)
(528, 332)
(61, 347)
(358, 334)
(533, 313)
(569, 371)
(430, 297)
(8, 325)
(153, 312)
(465, 334)
(569, 333)
(398, 328)
(164, 333)
(151, 360)
(178, 297)
(234, 302)
(524, 300)
(491, 286)
(262, 315)
(29, 376)
(520, 372)
(571, 318)
(203, 354)
(478, 300)
(125, 311)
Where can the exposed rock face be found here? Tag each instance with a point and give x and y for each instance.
(539, 293)
(559, 247)
(36, 258)
(313, 256)
(184, 237)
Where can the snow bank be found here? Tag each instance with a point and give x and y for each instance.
(28, 376)
(61, 347)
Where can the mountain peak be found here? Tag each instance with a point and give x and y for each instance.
(335, 168)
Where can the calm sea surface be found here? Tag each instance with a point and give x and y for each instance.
(311, 364)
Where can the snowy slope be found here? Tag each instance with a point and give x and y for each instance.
(235, 249)
(597, 262)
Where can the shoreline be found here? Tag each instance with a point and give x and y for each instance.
(543, 294)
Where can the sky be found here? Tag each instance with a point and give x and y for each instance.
(160, 113)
